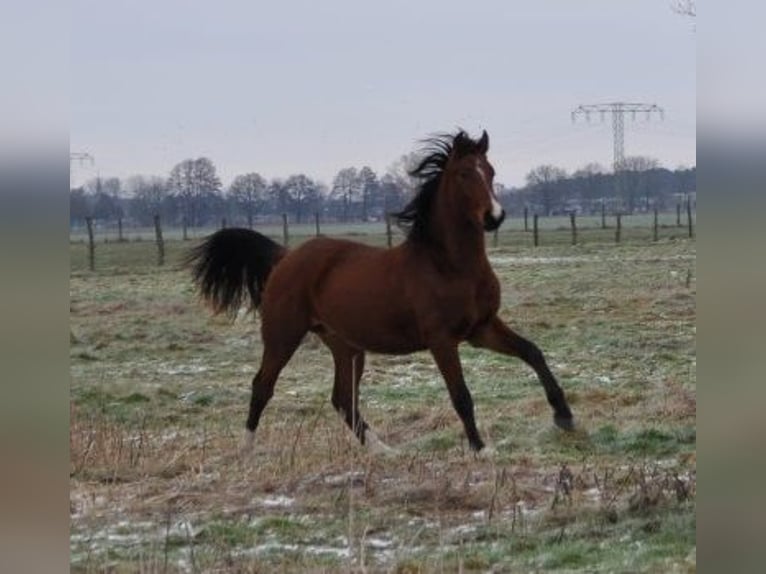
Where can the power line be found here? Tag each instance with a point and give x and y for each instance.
(618, 111)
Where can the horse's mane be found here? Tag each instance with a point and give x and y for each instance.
(414, 218)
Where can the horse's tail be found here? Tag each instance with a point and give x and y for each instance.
(231, 264)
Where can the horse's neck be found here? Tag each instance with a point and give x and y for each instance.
(461, 245)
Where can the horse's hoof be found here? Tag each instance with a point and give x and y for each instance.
(565, 423)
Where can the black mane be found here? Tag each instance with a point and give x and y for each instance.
(414, 218)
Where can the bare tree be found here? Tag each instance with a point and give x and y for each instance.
(279, 200)
(369, 185)
(303, 195)
(636, 184)
(345, 187)
(590, 169)
(392, 192)
(104, 198)
(542, 181)
(249, 193)
(399, 172)
(191, 181)
(640, 163)
(587, 180)
(150, 194)
(113, 187)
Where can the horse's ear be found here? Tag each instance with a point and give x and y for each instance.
(483, 144)
(458, 144)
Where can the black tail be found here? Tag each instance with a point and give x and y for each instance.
(230, 264)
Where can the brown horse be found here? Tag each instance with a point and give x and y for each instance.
(433, 291)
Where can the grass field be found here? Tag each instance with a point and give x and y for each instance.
(159, 394)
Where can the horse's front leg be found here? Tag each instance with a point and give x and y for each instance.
(448, 361)
(497, 336)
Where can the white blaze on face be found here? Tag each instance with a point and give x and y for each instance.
(497, 209)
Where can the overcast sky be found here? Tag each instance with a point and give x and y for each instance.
(284, 87)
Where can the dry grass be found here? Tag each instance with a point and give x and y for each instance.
(159, 396)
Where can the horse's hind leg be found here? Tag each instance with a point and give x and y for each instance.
(497, 336)
(276, 353)
(349, 366)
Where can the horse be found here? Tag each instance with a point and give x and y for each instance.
(433, 291)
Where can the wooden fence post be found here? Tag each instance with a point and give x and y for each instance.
(618, 232)
(526, 215)
(656, 234)
(603, 215)
(574, 227)
(678, 214)
(91, 244)
(535, 236)
(160, 241)
(285, 232)
(316, 223)
(119, 230)
(389, 236)
(689, 216)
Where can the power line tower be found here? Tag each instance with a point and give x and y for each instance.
(82, 157)
(618, 111)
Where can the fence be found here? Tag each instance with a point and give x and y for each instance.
(544, 231)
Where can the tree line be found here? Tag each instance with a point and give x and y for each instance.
(193, 195)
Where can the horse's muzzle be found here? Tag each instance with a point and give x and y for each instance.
(491, 223)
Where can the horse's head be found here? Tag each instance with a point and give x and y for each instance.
(469, 181)
(456, 183)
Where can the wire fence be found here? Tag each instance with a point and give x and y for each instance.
(108, 242)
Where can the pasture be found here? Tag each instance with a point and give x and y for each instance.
(159, 395)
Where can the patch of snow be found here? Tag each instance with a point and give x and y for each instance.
(277, 501)
(341, 479)
(181, 369)
(511, 260)
(379, 543)
(274, 546)
(593, 494)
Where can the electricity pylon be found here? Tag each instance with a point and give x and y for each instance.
(81, 157)
(618, 110)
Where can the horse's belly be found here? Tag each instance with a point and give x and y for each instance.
(371, 323)
(377, 337)
(390, 347)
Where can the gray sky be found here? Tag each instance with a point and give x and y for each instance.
(287, 86)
